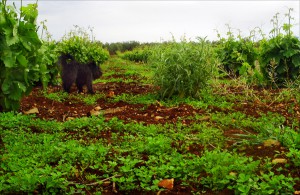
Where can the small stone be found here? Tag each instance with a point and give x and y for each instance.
(69, 118)
(32, 111)
(94, 113)
(111, 94)
(279, 160)
(158, 118)
(97, 108)
(271, 142)
(166, 183)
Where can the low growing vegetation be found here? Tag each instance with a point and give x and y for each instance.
(176, 123)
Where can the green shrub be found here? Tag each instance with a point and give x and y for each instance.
(79, 44)
(280, 59)
(19, 46)
(183, 68)
(137, 55)
(236, 54)
(280, 55)
(48, 56)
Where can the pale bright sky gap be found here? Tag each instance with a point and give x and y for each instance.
(156, 21)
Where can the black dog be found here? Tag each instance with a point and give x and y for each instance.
(81, 74)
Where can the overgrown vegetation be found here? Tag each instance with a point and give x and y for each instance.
(19, 50)
(235, 137)
(280, 55)
(183, 68)
(80, 44)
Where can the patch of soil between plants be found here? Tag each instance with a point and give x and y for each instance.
(153, 114)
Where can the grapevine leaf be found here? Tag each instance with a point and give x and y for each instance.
(8, 59)
(296, 60)
(30, 12)
(5, 87)
(22, 60)
(18, 89)
(289, 53)
(24, 41)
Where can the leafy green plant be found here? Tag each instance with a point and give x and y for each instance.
(183, 68)
(137, 55)
(19, 46)
(221, 168)
(263, 184)
(280, 55)
(81, 45)
(237, 55)
(294, 155)
(58, 96)
(48, 57)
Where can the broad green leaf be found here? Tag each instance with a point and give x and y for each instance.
(6, 86)
(290, 52)
(22, 60)
(30, 12)
(296, 60)
(9, 59)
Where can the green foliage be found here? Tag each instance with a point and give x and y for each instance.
(137, 55)
(237, 55)
(280, 59)
(48, 57)
(263, 184)
(19, 46)
(222, 166)
(64, 157)
(59, 96)
(79, 44)
(294, 155)
(183, 68)
(113, 48)
(280, 55)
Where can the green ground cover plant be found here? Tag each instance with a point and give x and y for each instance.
(219, 146)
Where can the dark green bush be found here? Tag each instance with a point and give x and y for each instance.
(280, 59)
(280, 55)
(234, 53)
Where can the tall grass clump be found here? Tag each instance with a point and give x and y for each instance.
(183, 68)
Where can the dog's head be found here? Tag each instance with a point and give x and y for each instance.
(96, 70)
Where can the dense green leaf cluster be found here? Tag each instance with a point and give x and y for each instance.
(183, 68)
(137, 55)
(269, 61)
(19, 46)
(113, 48)
(236, 53)
(79, 44)
(280, 59)
(64, 157)
(48, 56)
